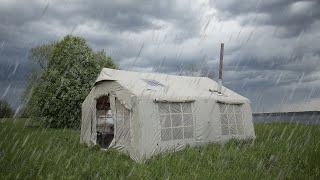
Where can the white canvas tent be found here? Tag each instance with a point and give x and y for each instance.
(154, 113)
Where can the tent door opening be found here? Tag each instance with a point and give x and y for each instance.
(105, 124)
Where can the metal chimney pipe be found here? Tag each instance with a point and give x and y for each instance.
(220, 69)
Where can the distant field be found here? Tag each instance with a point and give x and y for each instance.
(304, 117)
(280, 151)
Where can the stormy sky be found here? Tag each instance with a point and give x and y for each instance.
(272, 47)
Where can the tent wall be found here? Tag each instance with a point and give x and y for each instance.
(248, 126)
(150, 128)
(208, 124)
(136, 133)
(207, 127)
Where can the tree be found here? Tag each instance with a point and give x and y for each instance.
(38, 55)
(70, 73)
(41, 54)
(5, 109)
(30, 106)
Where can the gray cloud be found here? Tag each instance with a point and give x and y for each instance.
(272, 50)
(291, 17)
(115, 26)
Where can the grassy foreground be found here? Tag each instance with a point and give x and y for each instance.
(280, 151)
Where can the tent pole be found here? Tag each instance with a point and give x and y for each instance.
(220, 69)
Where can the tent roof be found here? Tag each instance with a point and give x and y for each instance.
(168, 87)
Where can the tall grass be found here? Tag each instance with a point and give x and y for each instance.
(280, 151)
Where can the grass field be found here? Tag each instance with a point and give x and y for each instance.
(279, 151)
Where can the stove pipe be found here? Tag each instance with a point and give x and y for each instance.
(220, 69)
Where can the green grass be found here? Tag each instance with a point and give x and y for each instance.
(279, 151)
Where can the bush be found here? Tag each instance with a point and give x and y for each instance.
(5, 110)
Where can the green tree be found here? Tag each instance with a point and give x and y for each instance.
(41, 54)
(5, 109)
(30, 106)
(38, 55)
(66, 80)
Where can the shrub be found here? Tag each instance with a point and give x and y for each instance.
(5, 110)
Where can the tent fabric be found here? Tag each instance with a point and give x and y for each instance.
(154, 113)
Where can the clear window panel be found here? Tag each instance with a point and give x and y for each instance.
(186, 107)
(224, 119)
(237, 109)
(166, 134)
(239, 124)
(229, 109)
(176, 120)
(188, 132)
(175, 107)
(240, 129)
(232, 129)
(164, 108)
(187, 120)
(221, 108)
(177, 133)
(165, 121)
(231, 118)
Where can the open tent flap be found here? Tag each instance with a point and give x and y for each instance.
(121, 116)
(122, 119)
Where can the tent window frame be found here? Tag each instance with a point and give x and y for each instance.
(174, 124)
(231, 119)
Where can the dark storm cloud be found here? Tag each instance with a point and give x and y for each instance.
(291, 17)
(105, 24)
(281, 59)
(294, 63)
(121, 15)
(272, 46)
(13, 80)
(45, 20)
(133, 15)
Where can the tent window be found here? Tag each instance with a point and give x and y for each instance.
(231, 119)
(123, 118)
(176, 121)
